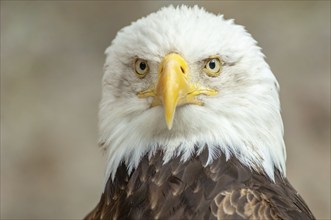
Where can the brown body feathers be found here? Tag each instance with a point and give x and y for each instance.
(223, 190)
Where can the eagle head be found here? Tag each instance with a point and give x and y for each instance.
(182, 80)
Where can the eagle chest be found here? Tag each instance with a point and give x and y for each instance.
(180, 190)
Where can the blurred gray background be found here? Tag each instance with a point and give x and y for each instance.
(52, 54)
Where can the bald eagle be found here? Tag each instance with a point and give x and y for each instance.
(190, 118)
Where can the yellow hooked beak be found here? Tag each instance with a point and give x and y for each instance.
(174, 88)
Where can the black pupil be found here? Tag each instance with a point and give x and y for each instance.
(142, 65)
(212, 64)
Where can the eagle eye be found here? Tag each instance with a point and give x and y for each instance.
(213, 66)
(141, 68)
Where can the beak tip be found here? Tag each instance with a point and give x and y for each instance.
(169, 115)
(169, 126)
(169, 122)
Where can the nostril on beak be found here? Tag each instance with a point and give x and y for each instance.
(182, 69)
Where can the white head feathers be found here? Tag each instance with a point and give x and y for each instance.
(242, 120)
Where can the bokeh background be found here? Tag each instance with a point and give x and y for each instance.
(52, 54)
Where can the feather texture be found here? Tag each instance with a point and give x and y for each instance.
(223, 190)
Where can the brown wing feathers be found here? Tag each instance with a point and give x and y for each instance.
(177, 190)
